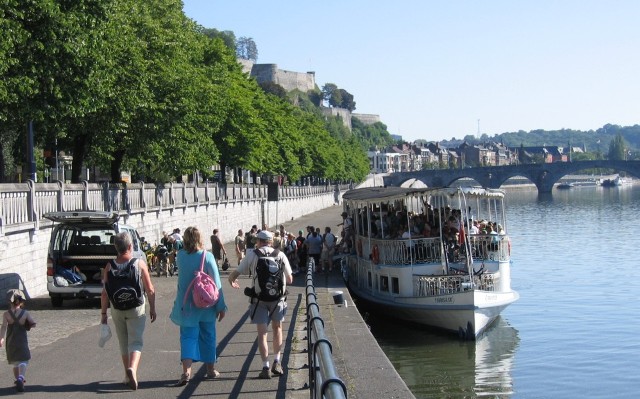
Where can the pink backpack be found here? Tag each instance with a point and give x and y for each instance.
(204, 290)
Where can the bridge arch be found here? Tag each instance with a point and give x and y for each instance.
(544, 176)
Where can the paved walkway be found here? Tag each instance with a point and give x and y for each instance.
(67, 363)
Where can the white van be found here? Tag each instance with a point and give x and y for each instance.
(80, 247)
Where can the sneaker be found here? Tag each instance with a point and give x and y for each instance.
(20, 384)
(276, 369)
(265, 374)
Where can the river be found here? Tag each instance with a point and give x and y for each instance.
(574, 331)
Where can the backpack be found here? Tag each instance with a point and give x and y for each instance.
(269, 279)
(123, 286)
(203, 288)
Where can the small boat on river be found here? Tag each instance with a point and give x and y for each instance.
(565, 185)
(615, 182)
(416, 255)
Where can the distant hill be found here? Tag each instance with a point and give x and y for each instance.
(589, 140)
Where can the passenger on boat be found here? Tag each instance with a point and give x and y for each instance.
(474, 227)
(347, 227)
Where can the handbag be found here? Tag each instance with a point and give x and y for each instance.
(225, 264)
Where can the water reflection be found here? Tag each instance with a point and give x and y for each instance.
(435, 364)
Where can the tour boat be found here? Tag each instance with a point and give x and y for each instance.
(446, 276)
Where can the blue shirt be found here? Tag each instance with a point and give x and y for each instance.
(186, 314)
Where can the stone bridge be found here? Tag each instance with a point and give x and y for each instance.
(544, 176)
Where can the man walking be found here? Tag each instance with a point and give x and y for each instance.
(272, 309)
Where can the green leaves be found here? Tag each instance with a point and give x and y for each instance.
(136, 85)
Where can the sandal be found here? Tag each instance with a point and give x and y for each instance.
(212, 374)
(133, 382)
(184, 379)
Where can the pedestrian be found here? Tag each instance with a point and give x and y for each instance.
(250, 238)
(129, 323)
(262, 312)
(313, 243)
(16, 321)
(240, 245)
(217, 248)
(328, 249)
(197, 325)
(291, 250)
(302, 250)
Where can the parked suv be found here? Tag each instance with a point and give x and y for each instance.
(81, 245)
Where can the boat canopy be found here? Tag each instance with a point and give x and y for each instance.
(368, 195)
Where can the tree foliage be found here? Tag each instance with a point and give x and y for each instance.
(138, 86)
(246, 49)
(617, 148)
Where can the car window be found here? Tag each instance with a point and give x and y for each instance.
(70, 235)
(135, 238)
(62, 239)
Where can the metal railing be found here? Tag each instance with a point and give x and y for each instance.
(324, 381)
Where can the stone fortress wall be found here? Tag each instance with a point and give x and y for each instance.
(303, 81)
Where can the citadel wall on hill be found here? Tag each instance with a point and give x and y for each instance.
(303, 81)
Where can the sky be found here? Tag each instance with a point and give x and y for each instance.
(436, 70)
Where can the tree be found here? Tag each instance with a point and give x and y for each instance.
(227, 36)
(346, 100)
(328, 93)
(246, 49)
(617, 148)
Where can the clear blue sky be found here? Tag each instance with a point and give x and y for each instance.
(433, 69)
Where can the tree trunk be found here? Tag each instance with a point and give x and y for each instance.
(2, 163)
(79, 154)
(116, 165)
(223, 172)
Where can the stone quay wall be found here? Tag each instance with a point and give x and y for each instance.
(24, 245)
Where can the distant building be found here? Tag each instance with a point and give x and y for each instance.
(548, 154)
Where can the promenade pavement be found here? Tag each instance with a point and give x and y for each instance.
(67, 362)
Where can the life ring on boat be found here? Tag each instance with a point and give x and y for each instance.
(375, 254)
(359, 247)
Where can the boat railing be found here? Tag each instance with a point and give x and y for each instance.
(443, 285)
(406, 251)
(490, 247)
(430, 250)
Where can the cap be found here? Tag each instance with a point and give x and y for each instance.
(300, 231)
(14, 294)
(344, 213)
(265, 235)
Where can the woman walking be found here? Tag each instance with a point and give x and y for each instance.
(197, 325)
(128, 320)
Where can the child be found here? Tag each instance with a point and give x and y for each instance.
(15, 323)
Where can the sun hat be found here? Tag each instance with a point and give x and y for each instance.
(14, 294)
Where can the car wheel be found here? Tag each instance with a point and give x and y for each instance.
(56, 301)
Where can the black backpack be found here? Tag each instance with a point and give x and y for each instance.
(269, 278)
(124, 287)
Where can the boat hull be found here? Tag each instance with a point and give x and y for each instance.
(466, 313)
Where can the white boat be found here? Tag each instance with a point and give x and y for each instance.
(457, 283)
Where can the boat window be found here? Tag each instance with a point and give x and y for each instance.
(395, 285)
(384, 283)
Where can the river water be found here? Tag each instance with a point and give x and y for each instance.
(574, 333)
